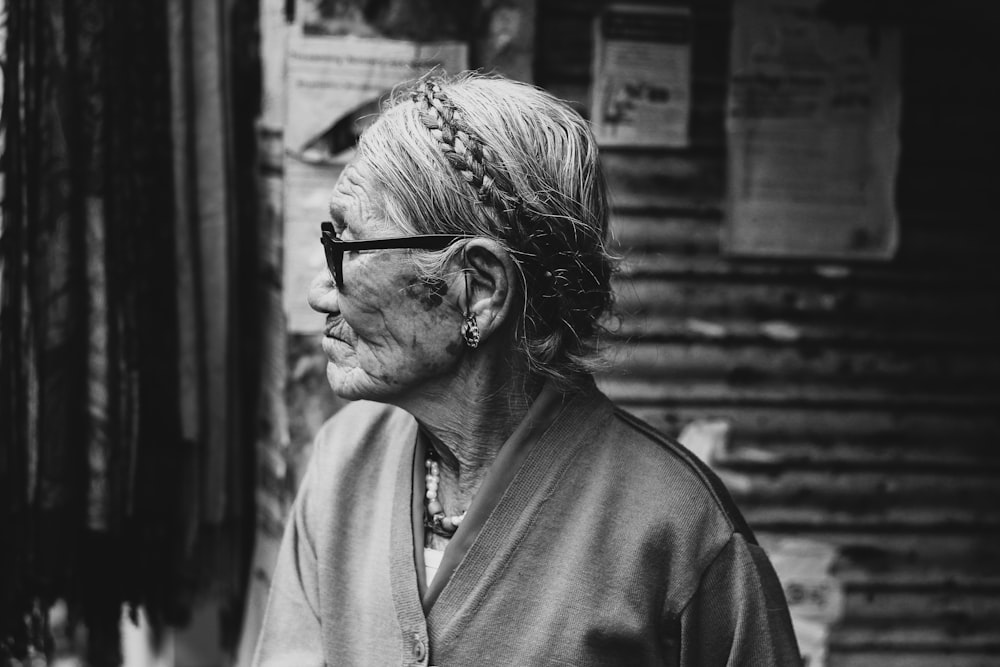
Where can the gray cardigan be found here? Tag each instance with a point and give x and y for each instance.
(612, 545)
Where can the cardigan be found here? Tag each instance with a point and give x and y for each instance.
(611, 545)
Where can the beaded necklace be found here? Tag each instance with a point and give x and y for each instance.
(434, 517)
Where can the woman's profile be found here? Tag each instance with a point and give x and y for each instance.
(481, 502)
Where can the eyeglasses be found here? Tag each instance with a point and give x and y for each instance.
(335, 247)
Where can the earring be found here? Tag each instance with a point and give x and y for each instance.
(470, 328)
(470, 331)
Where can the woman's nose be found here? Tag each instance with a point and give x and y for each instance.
(323, 295)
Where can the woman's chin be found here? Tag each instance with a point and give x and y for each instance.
(338, 381)
(352, 384)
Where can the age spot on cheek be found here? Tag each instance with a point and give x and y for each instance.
(387, 378)
(430, 295)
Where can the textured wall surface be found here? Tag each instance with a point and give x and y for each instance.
(862, 400)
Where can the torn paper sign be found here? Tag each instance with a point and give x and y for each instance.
(804, 567)
(335, 84)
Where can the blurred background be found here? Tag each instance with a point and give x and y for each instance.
(802, 193)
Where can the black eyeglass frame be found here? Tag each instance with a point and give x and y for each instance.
(335, 246)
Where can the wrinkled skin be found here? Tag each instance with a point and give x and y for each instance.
(392, 338)
(387, 333)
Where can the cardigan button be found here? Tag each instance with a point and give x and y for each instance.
(419, 648)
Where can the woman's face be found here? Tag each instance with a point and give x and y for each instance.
(386, 332)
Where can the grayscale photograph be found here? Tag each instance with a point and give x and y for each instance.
(499, 333)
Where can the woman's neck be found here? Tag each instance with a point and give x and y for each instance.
(467, 418)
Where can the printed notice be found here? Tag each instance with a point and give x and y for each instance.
(334, 87)
(642, 76)
(813, 128)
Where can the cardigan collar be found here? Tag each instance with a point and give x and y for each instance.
(540, 415)
(528, 465)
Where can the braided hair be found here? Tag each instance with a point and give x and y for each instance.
(486, 156)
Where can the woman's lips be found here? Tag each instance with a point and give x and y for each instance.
(336, 333)
(333, 322)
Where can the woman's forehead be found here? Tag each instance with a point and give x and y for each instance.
(352, 193)
(356, 199)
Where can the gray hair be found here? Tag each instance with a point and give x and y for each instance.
(486, 156)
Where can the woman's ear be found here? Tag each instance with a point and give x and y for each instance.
(491, 276)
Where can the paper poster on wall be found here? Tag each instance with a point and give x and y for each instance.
(815, 596)
(642, 76)
(813, 127)
(334, 87)
(335, 84)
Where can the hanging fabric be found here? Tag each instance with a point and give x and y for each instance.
(123, 477)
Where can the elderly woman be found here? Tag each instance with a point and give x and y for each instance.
(482, 503)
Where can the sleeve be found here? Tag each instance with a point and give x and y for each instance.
(738, 615)
(290, 634)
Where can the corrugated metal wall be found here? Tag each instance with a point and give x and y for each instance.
(864, 399)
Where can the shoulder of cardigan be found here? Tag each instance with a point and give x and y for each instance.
(711, 481)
